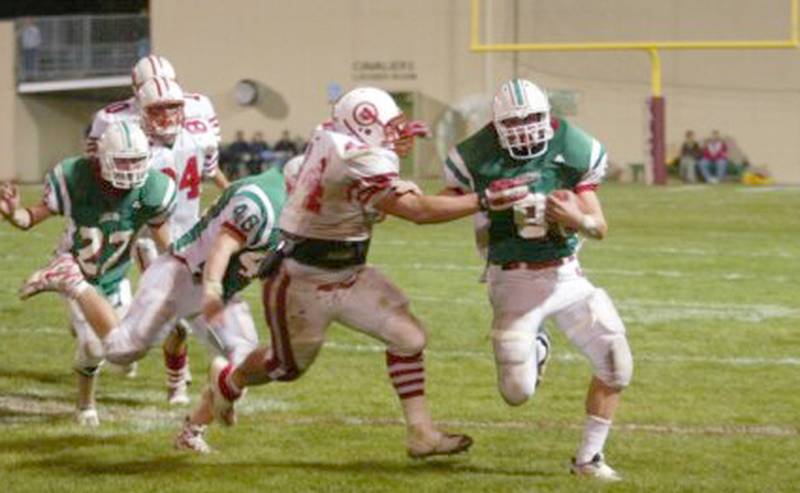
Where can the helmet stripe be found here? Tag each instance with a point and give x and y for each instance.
(518, 93)
(127, 134)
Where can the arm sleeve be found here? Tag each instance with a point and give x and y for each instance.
(596, 169)
(211, 159)
(372, 172)
(210, 115)
(456, 174)
(53, 191)
(165, 203)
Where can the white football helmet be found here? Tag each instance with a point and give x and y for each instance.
(124, 154)
(521, 115)
(150, 67)
(372, 116)
(161, 102)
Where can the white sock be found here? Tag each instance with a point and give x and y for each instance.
(415, 411)
(595, 432)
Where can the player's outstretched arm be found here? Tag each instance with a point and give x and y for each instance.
(225, 245)
(11, 209)
(581, 212)
(429, 209)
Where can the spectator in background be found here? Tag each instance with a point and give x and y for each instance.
(714, 151)
(259, 150)
(239, 154)
(285, 144)
(690, 154)
(31, 40)
(300, 144)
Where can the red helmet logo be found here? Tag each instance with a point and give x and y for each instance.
(365, 114)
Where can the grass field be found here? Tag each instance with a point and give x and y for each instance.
(705, 278)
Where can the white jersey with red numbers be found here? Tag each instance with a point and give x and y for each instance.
(191, 157)
(199, 107)
(123, 110)
(196, 107)
(341, 180)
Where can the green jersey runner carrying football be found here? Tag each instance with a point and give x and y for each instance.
(105, 201)
(533, 271)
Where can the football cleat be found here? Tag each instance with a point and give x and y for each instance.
(62, 275)
(543, 353)
(191, 438)
(221, 398)
(419, 447)
(87, 417)
(596, 469)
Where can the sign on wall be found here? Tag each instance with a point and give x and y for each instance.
(384, 70)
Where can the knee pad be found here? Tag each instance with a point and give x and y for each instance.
(594, 326)
(122, 349)
(405, 333)
(515, 357)
(88, 356)
(87, 371)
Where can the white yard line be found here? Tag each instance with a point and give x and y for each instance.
(664, 250)
(667, 274)
(146, 418)
(571, 357)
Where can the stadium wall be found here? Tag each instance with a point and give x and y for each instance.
(296, 49)
(7, 101)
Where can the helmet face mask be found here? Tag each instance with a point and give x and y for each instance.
(371, 115)
(124, 155)
(163, 120)
(521, 115)
(162, 104)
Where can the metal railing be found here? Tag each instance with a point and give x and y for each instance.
(80, 47)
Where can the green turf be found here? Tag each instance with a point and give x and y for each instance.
(705, 278)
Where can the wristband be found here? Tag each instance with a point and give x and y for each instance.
(21, 218)
(589, 226)
(213, 287)
(483, 202)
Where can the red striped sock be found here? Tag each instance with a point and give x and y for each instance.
(407, 374)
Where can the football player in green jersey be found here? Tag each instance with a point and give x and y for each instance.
(198, 279)
(105, 201)
(533, 269)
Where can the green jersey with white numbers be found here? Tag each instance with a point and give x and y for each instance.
(249, 209)
(573, 160)
(102, 220)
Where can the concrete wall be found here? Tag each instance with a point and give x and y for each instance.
(36, 131)
(7, 102)
(296, 49)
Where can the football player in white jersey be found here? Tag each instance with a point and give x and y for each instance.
(350, 167)
(187, 151)
(199, 116)
(196, 106)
